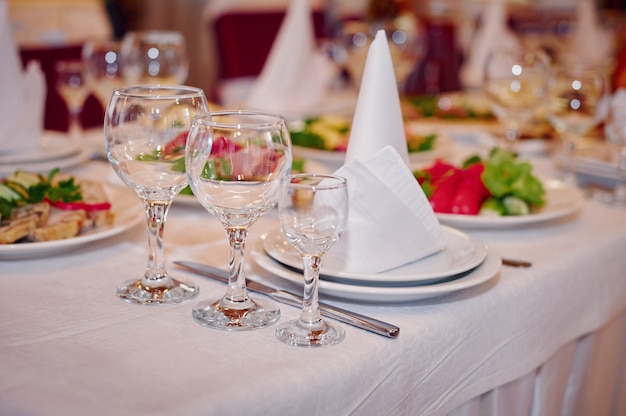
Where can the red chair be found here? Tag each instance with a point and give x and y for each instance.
(56, 115)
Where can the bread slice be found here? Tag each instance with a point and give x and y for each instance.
(61, 225)
(23, 221)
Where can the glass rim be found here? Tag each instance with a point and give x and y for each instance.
(151, 91)
(207, 119)
(337, 181)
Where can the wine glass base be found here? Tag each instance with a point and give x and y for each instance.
(175, 292)
(301, 334)
(230, 316)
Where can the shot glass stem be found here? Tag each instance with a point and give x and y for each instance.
(310, 307)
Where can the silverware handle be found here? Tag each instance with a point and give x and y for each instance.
(351, 318)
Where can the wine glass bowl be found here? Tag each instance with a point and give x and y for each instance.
(405, 39)
(313, 212)
(235, 161)
(103, 67)
(574, 97)
(154, 57)
(146, 130)
(515, 83)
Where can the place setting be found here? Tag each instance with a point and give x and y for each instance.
(421, 258)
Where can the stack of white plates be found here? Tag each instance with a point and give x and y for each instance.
(55, 150)
(465, 262)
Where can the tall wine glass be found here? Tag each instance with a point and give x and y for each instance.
(516, 83)
(71, 85)
(154, 57)
(313, 210)
(574, 95)
(103, 67)
(235, 161)
(145, 131)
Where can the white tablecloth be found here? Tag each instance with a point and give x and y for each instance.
(530, 341)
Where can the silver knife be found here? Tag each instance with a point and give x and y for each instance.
(288, 298)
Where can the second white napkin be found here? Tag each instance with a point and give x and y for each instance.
(390, 222)
(296, 76)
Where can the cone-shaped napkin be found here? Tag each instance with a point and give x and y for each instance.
(22, 95)
(390, 222)
(296, 76)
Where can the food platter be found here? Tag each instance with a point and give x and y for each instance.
(128, 213)
(442, 148)
(562, 200)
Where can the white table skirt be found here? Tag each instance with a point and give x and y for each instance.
(530, 341)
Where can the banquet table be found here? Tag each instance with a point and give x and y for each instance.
(544, 340)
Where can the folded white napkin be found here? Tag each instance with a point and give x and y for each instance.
(591, 44)
(296, 75)
(22, 96)
(492, 34)
(390, 222)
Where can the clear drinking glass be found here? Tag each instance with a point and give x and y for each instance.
(574, 97)
(71, 85)
(235, 161)
(615, 128)
(103, 67)
(145, 131)
(313, 211)
(515, 83)
(154, 57)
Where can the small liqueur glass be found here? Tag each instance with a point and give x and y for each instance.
(313, 211)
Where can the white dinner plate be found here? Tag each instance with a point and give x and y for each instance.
(561, 200)
(128, 213)
(389, 294)
(462, 253)
(52, 145)
(46, 166)
(442, 148)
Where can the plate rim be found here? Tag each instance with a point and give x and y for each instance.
(390, 279)
(40, 249)
(488, 270)
(41, 154)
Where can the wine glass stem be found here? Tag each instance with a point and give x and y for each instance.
(511, 134)
(310, 307)
(156, 213)
(236, 291)
(569, 150)
(75, 127)
(620, 184)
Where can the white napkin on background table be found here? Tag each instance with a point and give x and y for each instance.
(22, 95)
(492, 34)
(296, 75)
(390, 221)
(591, 44)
